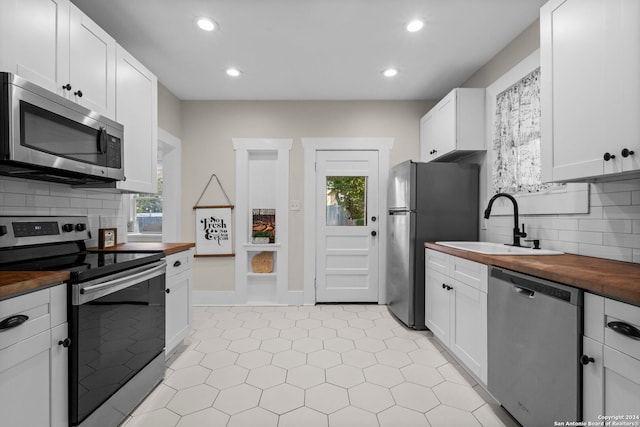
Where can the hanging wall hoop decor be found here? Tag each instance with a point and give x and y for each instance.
(213, 226)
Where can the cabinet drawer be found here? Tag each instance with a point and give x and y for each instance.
(37, 309)
(179, 262)
(470, 273)
(437, 261)
(621, 320)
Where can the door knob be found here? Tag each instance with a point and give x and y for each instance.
(374, 233)
(374, 219)
(626, 152)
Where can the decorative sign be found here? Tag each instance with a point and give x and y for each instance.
(107, 237)
(213, 230)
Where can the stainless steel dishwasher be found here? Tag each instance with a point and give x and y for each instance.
(534, 333)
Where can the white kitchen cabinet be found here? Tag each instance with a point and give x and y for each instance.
(54, 45)
(178, 303)
(33, 360)
(454, 126)
(456, 307)
(590, 91)
(611, 360)
(137, 111)
(92, 64)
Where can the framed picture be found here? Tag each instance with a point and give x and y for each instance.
(107, 237)
(213, 230)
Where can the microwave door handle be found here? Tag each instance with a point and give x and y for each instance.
(102, 140)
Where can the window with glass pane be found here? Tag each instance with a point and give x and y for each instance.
(149, 209)
(347, 200)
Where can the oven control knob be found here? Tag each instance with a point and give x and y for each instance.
(81, 226)
(67, 228)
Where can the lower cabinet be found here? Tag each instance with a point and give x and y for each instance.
(178, 315)
(33, 359)
(456, 307)
(611, 360)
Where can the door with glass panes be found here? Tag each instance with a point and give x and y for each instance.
(347, 256)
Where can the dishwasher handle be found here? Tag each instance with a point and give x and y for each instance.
(524, 291)
(529, 286)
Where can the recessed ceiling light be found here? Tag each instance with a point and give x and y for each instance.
(206, 24)
(233, 72)
(390, 72)
(415, 25)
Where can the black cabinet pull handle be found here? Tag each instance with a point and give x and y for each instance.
(13, 321)
(626, 152)
(625, 329)
(65, 343)
(608, 156)
(585, 360)
(67, 86)
(168, 290)
(447, 287)
(78, 94)
(177, 264)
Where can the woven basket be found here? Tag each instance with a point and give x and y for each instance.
(262, 262)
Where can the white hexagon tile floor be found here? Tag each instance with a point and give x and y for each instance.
(313, 366)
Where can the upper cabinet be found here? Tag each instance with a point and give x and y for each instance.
(454, 126)
(590, 59)
(137, 111)
(54, 45)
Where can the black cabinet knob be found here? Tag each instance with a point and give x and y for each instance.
(585, 360)
(78, 94)
(67, 86)
(444, 286)
(168, 290)
(609, 156)
(65, 342)
(626, 152)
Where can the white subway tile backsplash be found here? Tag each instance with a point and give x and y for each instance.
(610, 199)
(22, 197)
(611, 229)
(622, 240)
(608, 225)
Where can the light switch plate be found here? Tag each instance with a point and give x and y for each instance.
(294, 205)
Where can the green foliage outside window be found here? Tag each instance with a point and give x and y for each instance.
(349, 192)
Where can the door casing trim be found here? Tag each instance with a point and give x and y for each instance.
(383, 146)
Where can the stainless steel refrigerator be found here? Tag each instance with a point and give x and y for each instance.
(426, 202)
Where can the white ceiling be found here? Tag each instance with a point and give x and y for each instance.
(312, 49)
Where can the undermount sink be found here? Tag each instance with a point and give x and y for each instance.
(490, 248)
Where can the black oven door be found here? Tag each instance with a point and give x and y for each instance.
(117, 328)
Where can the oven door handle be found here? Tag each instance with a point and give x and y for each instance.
(115, 285)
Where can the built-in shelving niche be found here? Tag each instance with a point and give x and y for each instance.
(262, 182)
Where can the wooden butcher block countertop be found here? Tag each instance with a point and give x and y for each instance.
(13, 283)
(167, 248)
(614, 279)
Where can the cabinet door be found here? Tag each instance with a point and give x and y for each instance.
(137, 110)
(35, 41)
(24, 382)
(446, 130)
(469, 328)
(59, 377)
(178, 310)
(611, 383)
(574, 86)
(437, 305)
(427, 137)
(92, 64)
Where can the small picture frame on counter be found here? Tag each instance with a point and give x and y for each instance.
(107, 237)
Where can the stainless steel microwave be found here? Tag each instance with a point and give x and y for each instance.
(47, 137)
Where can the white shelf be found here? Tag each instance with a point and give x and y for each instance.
(261, 247)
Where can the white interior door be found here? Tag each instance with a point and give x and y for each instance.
(347, 255)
